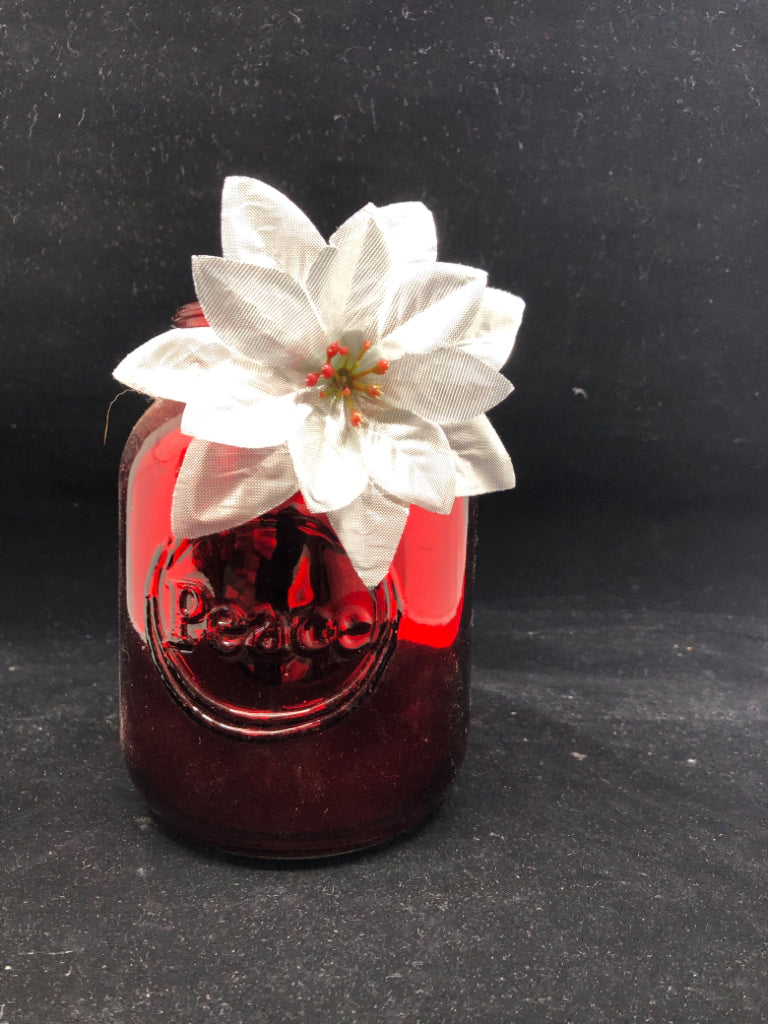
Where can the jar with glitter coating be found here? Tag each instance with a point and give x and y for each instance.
(270, 703)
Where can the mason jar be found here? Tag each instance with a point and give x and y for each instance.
(270, 703)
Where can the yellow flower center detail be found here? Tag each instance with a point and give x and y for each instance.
(342, 376)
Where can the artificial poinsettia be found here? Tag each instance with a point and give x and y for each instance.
(357, 372)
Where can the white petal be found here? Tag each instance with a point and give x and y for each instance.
(354, 288)
(326, 457)
(410, 231)
(481, 460)
(368, 285)
(319, 282)
(432, 304)
(446, 385)
(408, 458)
(174, 364)
(261, 314)
(244, 417)
(370, 528)
(220, 487)
(351, 226)
(496, 327)
(261, 225)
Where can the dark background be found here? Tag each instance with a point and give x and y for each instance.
(606, 161)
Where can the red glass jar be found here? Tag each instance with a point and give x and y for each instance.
(270, 703)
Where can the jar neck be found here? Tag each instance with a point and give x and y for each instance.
(189, 315)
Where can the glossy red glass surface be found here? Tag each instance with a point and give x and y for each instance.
(270, 703)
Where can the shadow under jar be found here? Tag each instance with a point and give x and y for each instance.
(270, 703)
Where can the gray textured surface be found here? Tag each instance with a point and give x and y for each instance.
(601, 858)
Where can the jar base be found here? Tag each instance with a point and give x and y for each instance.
(329, 850)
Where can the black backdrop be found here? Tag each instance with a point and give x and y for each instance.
(604, 160)
(602, 856)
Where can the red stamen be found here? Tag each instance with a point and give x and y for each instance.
(326, 371)
(322, 394)
(374, 390)
(367, 345)
(332, 349)
(356, 418)
(346, 392)
(343, 350)
(312, 379)
(382, 366)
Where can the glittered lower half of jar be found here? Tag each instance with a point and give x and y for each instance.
(270, 703)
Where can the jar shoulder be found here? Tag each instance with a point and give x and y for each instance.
(157, 415)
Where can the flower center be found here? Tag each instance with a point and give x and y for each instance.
(343, 374)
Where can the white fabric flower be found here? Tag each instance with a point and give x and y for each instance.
(357, 372)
